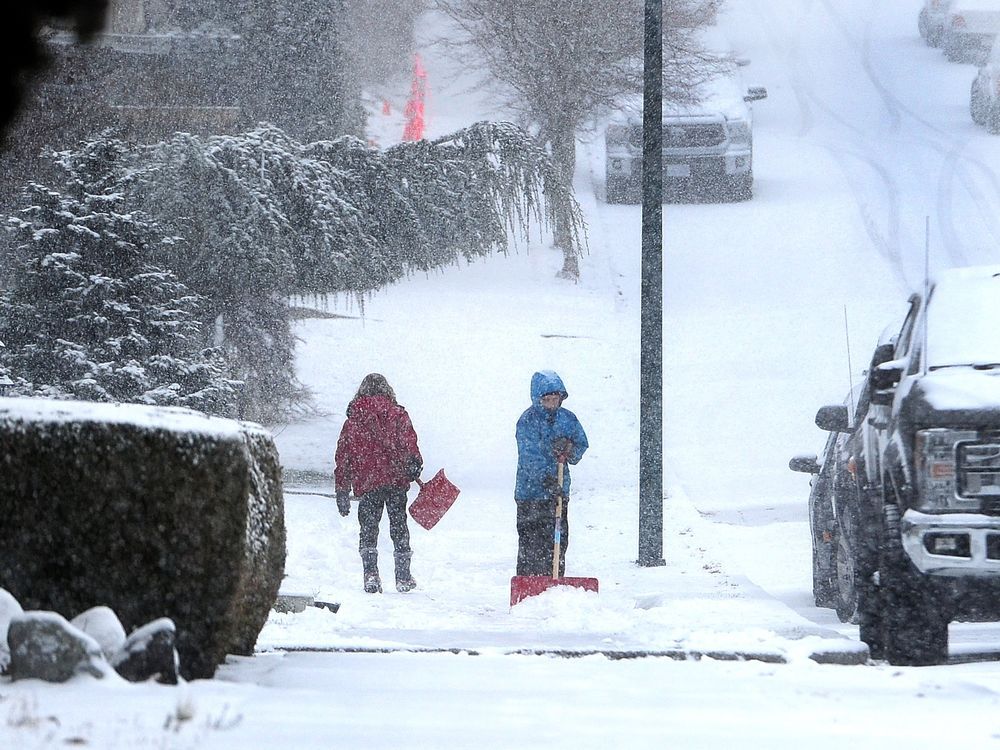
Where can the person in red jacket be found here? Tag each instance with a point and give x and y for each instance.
(377, 457)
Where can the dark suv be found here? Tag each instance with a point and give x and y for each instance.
(925, 454)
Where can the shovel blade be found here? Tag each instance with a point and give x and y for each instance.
(521, 587)
(433, 500)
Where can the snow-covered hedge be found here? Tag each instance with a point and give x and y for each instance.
(189, 248)
(154, 512)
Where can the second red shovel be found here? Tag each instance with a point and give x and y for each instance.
(433, 500)
(521, 587)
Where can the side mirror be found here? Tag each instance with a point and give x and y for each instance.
(886, 375)
(833, 418)
(883, 380)
(883, 353)
(755, 93)
(805, 463)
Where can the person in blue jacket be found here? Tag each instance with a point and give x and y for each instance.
(547, 434)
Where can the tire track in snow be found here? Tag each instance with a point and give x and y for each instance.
(954, 164)
(887, 242)
(786, 48)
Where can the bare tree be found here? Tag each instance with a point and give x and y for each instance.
(561, 62)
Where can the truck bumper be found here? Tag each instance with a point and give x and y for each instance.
(960, 544)
(687, 168)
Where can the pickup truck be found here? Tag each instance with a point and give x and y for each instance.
(925, 456)
(969, 30)
(707, 147)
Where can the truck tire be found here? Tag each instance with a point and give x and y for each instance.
(846, 566)
(915, 626)
(740, 187)
(977, 108)
(614, 190)
(824, 585)
(618, 190)
(870, 609)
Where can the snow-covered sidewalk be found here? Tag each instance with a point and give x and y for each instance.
(459, 347)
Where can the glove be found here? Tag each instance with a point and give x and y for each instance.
(551, 485)
(413, 468)
(344, 502)
(562, 448)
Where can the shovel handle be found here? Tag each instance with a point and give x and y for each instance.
(557, 535)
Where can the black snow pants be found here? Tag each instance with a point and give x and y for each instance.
(370, 515)
(536, 536)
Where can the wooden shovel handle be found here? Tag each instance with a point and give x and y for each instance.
(557, 536)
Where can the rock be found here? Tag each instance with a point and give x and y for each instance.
(288, 603)
(103, 625)
(44, 646)
(150, 652)
(8, 609)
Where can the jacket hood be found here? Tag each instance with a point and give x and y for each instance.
(546, 381)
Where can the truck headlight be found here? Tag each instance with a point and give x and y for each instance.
(935, 458)
(739, 131)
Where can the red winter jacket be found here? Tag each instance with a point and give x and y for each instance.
(377, 447)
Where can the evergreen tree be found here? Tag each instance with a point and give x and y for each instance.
(259, 216)
(89, 317)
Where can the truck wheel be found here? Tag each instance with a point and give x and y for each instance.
(869, 599)
(977, 108)
(915, 626)
(614, 190)
(870, 628)
(846, 602)
(740, 187)
(824, 585)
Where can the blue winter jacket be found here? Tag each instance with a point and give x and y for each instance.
(537, 428)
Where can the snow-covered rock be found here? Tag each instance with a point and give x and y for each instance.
(44, 646)
(9, 608)
(103, 625)
(149, 652)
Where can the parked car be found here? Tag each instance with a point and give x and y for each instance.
(926, 455)
(834, 497)
(707, 147)
(832, 565)
(969, 30)
(984, 97)
(931, 20)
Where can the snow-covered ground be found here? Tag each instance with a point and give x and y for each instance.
(864, 135)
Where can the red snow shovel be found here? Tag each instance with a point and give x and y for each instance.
(433, 500)
(521, 587)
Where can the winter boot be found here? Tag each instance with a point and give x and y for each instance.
(369, 561)
(404, 581)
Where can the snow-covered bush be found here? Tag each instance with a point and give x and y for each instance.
(258, 216)
(89, 316)
(150, 511)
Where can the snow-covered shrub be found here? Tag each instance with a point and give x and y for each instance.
(258, 216)
(89, 316)
(154, 512)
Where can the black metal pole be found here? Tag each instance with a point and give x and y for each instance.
(651, 315)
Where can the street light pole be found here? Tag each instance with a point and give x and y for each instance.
(651, 292)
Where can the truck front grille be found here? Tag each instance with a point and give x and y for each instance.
(693, 136)
(979, 471)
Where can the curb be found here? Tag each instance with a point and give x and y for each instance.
(853, 657)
